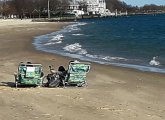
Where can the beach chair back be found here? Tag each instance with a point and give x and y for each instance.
(77, 72)
(29, 73)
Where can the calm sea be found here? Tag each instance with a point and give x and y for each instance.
(130, 41)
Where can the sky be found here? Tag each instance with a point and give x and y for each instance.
(143, 2)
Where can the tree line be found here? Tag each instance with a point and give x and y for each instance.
(31, 8)
(122, 6)
(39, 8)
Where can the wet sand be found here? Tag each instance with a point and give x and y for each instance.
(113, 93)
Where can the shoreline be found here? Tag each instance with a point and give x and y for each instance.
(142, 68)
(112, 93)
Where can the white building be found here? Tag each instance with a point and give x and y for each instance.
(93, 6)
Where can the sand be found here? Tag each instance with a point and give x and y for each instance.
(113, 93)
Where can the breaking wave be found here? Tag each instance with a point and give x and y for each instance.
(154, 62)
(77, 34)
(55, 40)
(75, 48)
(74, 27)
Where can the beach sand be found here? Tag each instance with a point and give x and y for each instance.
(113, 93)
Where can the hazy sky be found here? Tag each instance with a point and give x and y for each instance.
(143, 2)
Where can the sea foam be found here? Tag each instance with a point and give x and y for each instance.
(77, 34)
(109, 58)
(55, 40)
(75, 48)
(154, 62)
(57, 37)
(74, 27)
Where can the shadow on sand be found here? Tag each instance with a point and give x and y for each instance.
(12, 85)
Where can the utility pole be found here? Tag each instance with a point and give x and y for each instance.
(48, 10)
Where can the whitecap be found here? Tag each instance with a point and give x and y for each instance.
(77, 34)
(81, 23)
(154, 62)
(50, 43)
(108, 58)
(75, 48)
(57, 37)
(82, 52)
(53, 43)
(75, 27)
(55, 40)
(58, 42)
(92, 56)
(118, 58)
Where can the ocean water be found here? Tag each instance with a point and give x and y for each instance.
(131, 41)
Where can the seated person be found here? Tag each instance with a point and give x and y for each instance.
(62, 74)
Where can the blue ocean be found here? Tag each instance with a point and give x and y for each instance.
(130, 41)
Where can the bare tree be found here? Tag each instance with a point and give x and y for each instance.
(1, 8)
(83, 5)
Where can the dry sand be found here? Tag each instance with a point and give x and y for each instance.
(113, 93)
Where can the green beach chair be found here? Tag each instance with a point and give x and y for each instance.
(29, 74)
(76, 73)
(74, 76)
